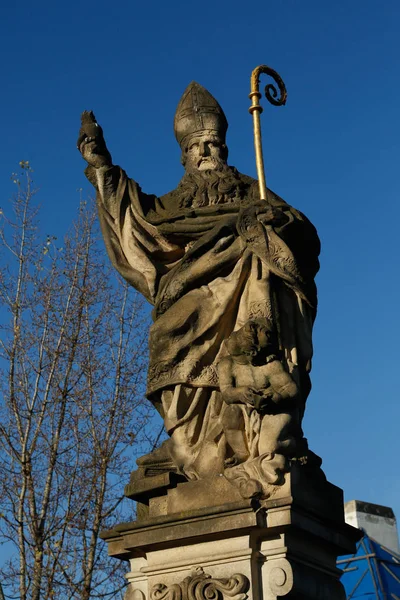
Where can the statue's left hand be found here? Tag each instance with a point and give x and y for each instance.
(252, 218)
(260, 403)
(271, 215)
(265, 402)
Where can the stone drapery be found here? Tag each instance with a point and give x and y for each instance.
(208, 271)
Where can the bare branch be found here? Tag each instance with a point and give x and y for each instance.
(73, 356)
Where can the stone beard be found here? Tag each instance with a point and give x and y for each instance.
(213, 259)
(206, 188)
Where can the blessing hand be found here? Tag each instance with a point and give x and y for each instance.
(91, 143)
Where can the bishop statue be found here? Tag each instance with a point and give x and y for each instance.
(231, 279)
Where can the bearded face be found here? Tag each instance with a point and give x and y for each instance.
(205, 152)
(208, 179)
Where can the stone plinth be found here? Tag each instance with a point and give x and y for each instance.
(199, 547)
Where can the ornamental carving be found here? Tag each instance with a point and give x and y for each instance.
(202, 586)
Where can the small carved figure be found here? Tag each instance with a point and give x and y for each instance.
(262, 399)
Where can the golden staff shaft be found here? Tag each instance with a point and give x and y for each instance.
(256, 109)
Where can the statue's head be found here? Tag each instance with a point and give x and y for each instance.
(200, 128)
(257, 336)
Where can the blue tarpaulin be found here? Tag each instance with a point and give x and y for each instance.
(372, 572)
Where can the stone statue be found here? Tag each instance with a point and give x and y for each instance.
(231, 278)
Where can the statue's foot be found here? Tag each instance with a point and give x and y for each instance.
(259, 476)
(236, 459)
(250, 488)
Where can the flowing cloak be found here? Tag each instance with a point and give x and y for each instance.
(207, 271)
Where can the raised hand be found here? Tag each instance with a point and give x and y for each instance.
(91, 143)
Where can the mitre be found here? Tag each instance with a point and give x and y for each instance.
(198, 111)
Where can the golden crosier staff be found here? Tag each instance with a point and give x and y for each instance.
(256, 109)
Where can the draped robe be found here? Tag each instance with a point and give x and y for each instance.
(207, 271)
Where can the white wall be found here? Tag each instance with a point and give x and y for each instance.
(378, 521)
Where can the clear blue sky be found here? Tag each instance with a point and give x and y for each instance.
(332, 152)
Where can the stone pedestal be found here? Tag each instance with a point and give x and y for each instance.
(201, 540)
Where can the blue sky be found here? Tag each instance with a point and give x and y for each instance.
(332, 152)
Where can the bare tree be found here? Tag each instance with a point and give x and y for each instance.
(72, 358)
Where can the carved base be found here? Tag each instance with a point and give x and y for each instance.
(285, 546)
